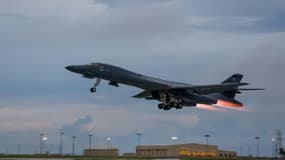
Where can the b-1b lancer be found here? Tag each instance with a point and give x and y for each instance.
(170, 94)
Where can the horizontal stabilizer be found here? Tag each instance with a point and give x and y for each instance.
(250, 89)
(205, 89)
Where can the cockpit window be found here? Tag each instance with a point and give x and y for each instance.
(94, 64)
(102, 68)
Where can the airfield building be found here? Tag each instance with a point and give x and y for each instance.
(101, 152)
(182, 150)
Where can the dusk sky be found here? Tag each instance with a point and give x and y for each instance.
(191, 41)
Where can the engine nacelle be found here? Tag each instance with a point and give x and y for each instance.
(88, 76)
(113, 84)
(190, 97)
(155, 95)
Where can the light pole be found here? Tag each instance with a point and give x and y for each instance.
(173, 138)
(108, 139)
(207, 141)
(139, 138)
(109, 146)
(276, 150)
(61, 142)
(45, 138)
(41, 142)
(50, 149)
(257, 146)
(273, 145)
(90, 136)
(73, 145)
(19, 149)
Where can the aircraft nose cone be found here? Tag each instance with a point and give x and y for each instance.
(70, 68)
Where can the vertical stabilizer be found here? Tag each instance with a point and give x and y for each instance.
(233, 78)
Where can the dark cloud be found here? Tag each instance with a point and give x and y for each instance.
(76, 127)
(243, 24)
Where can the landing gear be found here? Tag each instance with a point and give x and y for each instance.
(163, 106)
(179, 106)
(176, 105)
(166, 106)
(173, 105)
(93, 89)
(168, 100)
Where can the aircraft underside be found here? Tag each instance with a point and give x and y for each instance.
(168, 99)
(172, 100)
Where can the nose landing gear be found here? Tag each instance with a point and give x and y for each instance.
(93, 89)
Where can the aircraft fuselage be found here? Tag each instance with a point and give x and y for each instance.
(171, 94)
(120, 75)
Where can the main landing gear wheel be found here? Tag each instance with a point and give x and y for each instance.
(166, 108)
(161, 106)
(93, 90)
(179, 106)
(173, 105)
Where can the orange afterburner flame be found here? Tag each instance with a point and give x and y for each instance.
(228, 104)
(208, 107)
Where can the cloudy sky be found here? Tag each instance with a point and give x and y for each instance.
(191, 41)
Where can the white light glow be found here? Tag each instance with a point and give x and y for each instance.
(174, 138)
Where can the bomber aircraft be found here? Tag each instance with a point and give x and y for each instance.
(170, 94)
